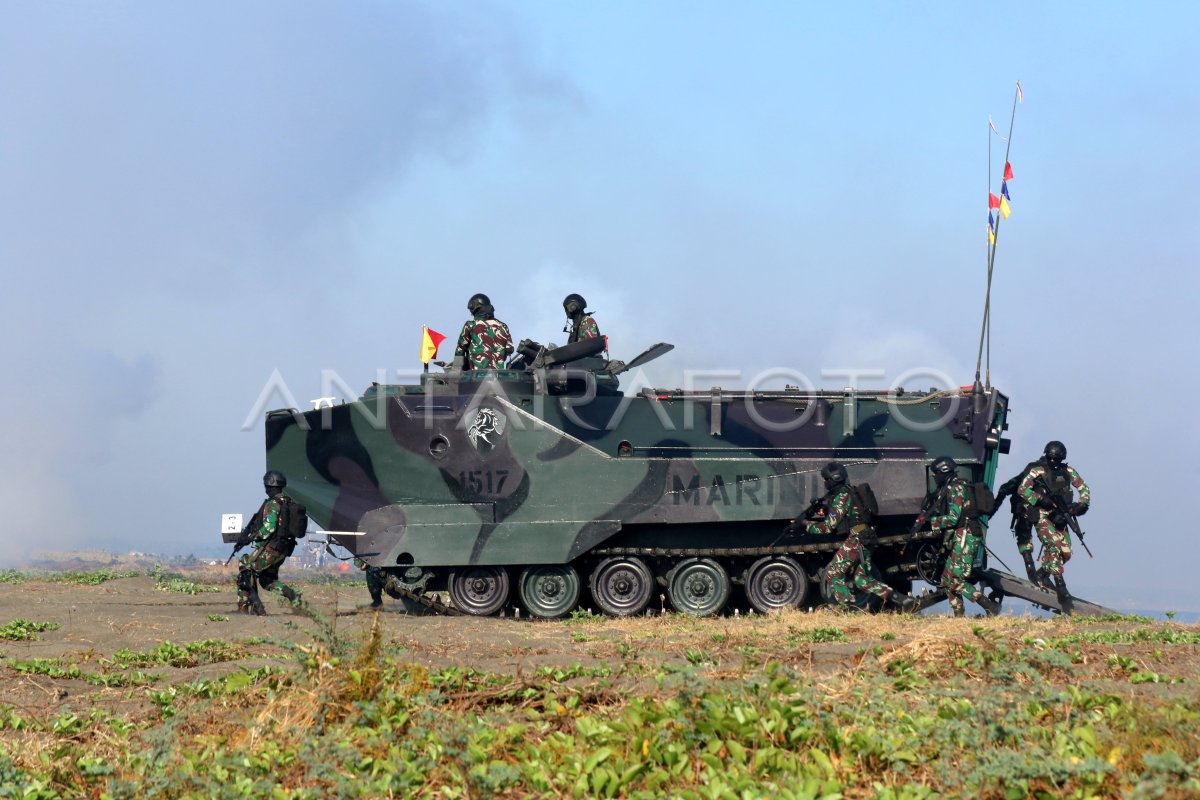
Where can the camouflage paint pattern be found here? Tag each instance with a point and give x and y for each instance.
(545, 466)
(484, 343)
(1056, 541)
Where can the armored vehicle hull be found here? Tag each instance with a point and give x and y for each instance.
(541, 484)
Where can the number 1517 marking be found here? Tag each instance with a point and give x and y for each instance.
(482, 481)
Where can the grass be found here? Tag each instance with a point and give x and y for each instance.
(787, 706)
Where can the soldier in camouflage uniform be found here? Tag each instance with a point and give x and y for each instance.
(485, 341)
(582, 325)
(951, 512)
(1023, 517)
(850, 568)
(1045, 483)
(260, 567)
(378, 582)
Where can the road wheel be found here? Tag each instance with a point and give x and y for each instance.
(549, 592)
(622, 586)
(698, 586)
(479, 591)
(774, 583)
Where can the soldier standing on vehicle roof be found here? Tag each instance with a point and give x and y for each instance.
(951, 512)
(1045, 483)
(581, 326)
(485, 341)
(268, 533)
(850, 569)
(1023, 516)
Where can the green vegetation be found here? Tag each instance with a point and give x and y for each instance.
(218, 618)
(787, 707)
(174, 582)
(20, 630)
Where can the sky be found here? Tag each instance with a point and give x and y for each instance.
(195, 198)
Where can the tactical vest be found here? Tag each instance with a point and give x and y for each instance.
(941, 505)
(575, 326)
(1058, 482)
(854, 514)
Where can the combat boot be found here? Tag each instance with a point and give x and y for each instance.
(990, 606)
(1030, 568)
(1064, 597)
(291, 594)
(960, 612)
(907, 603)
(256, 607)
(1043, 579)
(377, 600)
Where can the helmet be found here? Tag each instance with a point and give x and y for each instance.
(274, 480)
(834, 474)
(574, 304)
(943, 469)
(1055, 452)
(477, 302)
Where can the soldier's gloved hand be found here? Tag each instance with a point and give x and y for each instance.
(1059, 520)
(1045, 502)
(1079, 509)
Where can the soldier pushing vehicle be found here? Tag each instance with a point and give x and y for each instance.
(1048, 487)
(842, 511)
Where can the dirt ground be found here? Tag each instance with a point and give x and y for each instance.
(132, 613)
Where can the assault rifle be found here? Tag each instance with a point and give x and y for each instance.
(1062, 509)
(242, 541)
(925, 512)
(816, 509)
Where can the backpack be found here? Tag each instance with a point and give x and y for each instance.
(297, 519)
(981, 501)
(292, 525)
(864, 497)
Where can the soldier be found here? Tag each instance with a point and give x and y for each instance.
(485, 341)
(850, 569)
(1048, 486)
(378, 582)
(582, 325)
(1023, 517)
(950, 512)
(268, 533)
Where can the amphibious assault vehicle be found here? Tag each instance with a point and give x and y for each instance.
(541, 483)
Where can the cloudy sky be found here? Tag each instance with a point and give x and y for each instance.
(194, 196)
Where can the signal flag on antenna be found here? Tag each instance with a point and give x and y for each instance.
(430, 339)
(1008, 174)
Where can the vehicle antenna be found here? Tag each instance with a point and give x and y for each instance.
(985, 330)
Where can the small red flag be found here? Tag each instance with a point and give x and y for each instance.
(1007, 171)
(1020, 92)
(430, 339)
(993, 201)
